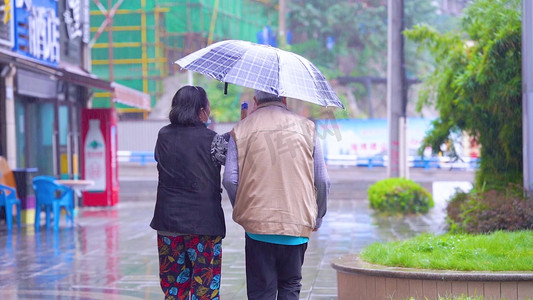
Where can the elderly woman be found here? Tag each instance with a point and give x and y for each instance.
(188, 214)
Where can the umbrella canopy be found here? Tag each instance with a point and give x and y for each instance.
(264, 68)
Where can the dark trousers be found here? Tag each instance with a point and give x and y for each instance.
(273, 269)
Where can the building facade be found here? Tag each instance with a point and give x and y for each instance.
(45, 83)
(139, 46)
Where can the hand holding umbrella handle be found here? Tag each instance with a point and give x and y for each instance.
(244, 110)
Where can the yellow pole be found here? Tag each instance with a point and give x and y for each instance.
(110, 49)
(7, 11)
(160, 66)
(144, 50)
(158, 47)
(213, 22)
(127, 61)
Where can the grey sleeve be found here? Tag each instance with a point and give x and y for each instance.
(231, 171)
(322, 183)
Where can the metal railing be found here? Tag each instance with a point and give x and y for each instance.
(414, 162)
(145, 157)
(141, 157)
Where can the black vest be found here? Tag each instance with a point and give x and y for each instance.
(188, 192)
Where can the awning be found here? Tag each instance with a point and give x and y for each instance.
(119, 93)
(27, 63)
(126, 95)
(70, 73)
(79, 76)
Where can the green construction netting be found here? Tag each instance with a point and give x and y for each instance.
(235, 19)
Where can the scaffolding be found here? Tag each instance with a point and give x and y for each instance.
(135, 42)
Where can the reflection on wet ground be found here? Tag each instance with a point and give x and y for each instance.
(111, 253)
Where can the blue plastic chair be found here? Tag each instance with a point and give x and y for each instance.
(52, 197)
(8, 198)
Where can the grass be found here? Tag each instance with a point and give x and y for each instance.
(453, 298)
(499, 251)
(458, 298)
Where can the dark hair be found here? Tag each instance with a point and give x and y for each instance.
(186, 105)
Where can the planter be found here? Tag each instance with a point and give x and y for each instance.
(358, 280)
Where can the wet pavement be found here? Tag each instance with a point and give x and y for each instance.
(111, 253)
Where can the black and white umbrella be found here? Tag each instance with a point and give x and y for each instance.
(264, 68)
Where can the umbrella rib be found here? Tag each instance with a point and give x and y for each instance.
(279, 73)
(309, 68)
(254, 66)
(247, 73)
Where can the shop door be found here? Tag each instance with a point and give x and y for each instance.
(65, 153)
(48, 138)
(39, 141)
(36, 122)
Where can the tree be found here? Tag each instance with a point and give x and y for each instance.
(357, 28)
(477, 87)
(356, 32)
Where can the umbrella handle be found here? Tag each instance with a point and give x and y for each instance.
(244, 110)
(225, 88)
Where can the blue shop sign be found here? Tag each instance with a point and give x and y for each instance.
(37, 30)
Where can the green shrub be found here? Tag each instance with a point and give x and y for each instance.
(488, 211)
(399, 195)
(463, 297)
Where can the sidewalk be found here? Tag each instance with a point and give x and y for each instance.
(111, 252)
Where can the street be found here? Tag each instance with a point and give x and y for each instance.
(111, 253)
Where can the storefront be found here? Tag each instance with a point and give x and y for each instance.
(44, 85)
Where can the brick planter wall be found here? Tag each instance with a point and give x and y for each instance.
(358, 280)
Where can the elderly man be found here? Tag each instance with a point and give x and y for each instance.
(277, 182)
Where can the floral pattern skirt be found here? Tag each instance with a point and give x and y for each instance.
(190, 264)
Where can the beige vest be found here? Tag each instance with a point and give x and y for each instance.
(276, 193)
